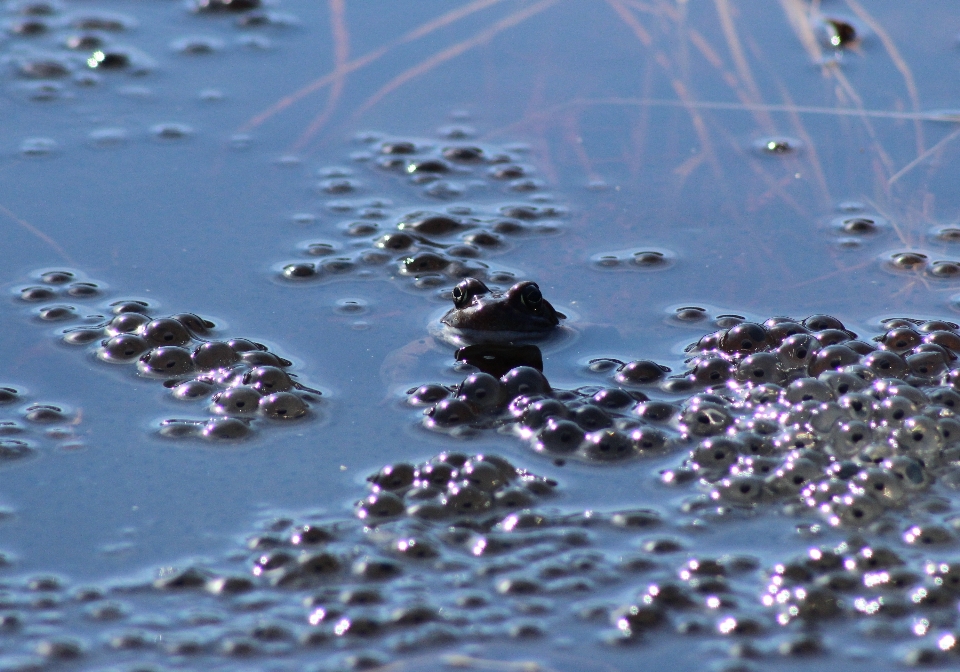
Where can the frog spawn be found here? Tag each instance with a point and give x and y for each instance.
(431, 246)
(889, 594)
(590, 423)
(397, 584)
(28, 425)
(793, 413)
(241, 380)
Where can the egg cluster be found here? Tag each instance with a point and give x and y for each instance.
(242, 382)
(430, 247)
(788, 411)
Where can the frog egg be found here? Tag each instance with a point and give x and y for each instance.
(640, 372)
(380, 505)
(656, 411)
(712, 371)
(45, 414)
(14, 449)
(832, 357)
(764, 393)
(591, 417)
(841, 383)
(122, 349)
(165, 361)
(57, 277)
(817, 493)
(449, 413)
(885, 363)
(875, 453)
(920, 437)
(900, 339)
(853, 510)
(37, 294)
(824, 416)
(268, 379)
(927, 365)
(949, 429)
(126, 323)
(797, 438)
(607, 445)
(282, 406)
(436, 474)
(558, 437)
(225, 429)
(807, 389)
(482, 475)
(236, 401)
(828, 337)
(57, 313)
(798, 351)
(847, 439)
(165, 331)
(649, 440)
(744, 339)
(716, 455)
(466, 499)
(214, 355)
(524, 380)
(760, 367)
(482, 391)
(893, 411)
(193, 389)
(909, 472)
(859, 406)
(883, 486)
(300, 270)
(706, 419)
(631, 621)
(791, 478)
(82, 336)
(536, 414)
(741, 490)
(929, 535)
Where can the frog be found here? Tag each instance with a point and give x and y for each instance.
(481, 315)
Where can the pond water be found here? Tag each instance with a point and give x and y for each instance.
(309, 181)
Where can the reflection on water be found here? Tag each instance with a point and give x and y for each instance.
(727, 161)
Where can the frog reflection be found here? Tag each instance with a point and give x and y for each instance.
(480, 315)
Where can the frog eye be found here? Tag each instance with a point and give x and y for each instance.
(531, 296)
(459, 296)
(466, 290)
